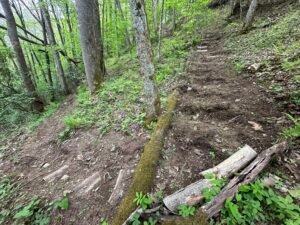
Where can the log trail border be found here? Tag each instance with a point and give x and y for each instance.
(146, 169)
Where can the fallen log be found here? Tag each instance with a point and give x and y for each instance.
(191, 195)
(246, 176)
(146, 168)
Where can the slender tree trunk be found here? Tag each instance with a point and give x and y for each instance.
(154, 15)
(116, 29)
(250, 15)
(127, 37)
(173, 15)
(91, 43)
(160, 28)
(47, 57)
(52, 41)
(70, 27)
(233, 6)
(15, 42)
(58, 25)
(145, 56)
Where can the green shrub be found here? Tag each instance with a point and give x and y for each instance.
(74, 122)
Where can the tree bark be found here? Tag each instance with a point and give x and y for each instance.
(24, 70)
(154, 15)
(127, 37)
(145, 57)
(250, 15)
(160, 28)
(52, 42)
(91, 43)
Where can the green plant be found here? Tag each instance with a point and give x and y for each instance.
(74, 122)
(103, 221)
(62, 203)
(239, 65)
(150, 221)
(6, 187)
(64, 135)
(28, 210)
(255, 203)
(212, 154)
(186, 211)
(216, 186)
(295, 97)
(136, 219)
(142, 200)
(293, 132)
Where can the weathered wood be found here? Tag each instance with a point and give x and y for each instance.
(56, 174)
(234, 163)
(226, 168)
(118, 190)
(246, 176)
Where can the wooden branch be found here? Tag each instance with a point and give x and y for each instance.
(25, 30)
(22, 37)
(246, 176)
(191, 194)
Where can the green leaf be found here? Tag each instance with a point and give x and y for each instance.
(295, 193)
(62, 203)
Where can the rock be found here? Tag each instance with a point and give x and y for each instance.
(46, 165)
(255, 67)
(197, 152)
(65, 177)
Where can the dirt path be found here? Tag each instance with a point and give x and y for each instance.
(86, 166)
(216, 116)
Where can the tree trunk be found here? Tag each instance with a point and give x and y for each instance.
(15, 42)
(91, 43)
(127, 37)
(233, 6)
(160, 28)
(47, 57)
(250, 15)
(52, 42)
(145, 57)
(154, 15)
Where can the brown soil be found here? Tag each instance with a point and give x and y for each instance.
(212, 120)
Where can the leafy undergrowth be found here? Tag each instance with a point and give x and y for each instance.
(28, 122)
(274, 42)
(119, 103)
(27, 209)
(255, 203)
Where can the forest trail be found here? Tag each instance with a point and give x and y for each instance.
(219, 112)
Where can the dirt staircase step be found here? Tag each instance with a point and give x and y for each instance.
(88, 184)
(55, 174)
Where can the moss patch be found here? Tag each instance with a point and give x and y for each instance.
(146, 168)
(199, 219)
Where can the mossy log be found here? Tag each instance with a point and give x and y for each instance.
(146, 168)
(199, 219)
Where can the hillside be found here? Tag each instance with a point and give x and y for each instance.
(94, 155)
